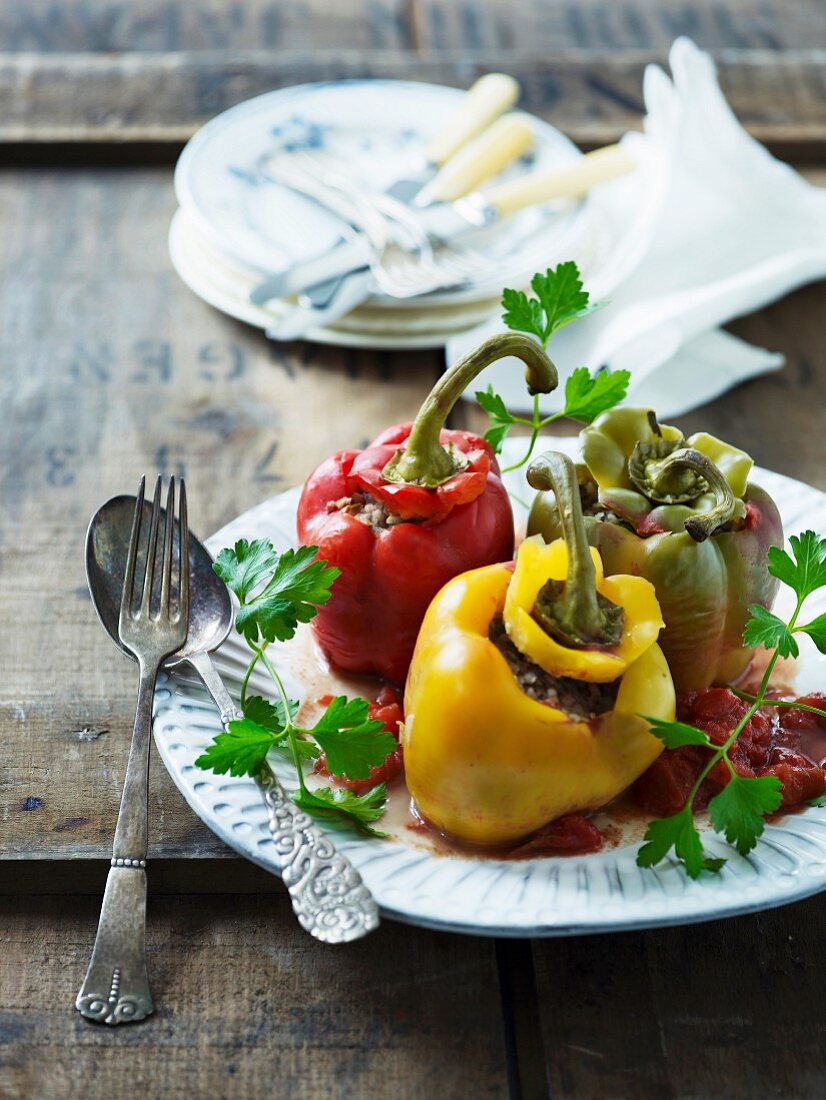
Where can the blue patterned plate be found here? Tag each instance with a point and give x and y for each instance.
(420, 882)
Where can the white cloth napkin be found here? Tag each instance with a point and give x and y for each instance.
(708, 228)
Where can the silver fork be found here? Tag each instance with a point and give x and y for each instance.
(405, 262)
(116, 987)
(433, 259)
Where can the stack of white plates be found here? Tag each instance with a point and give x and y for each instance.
(235, 226)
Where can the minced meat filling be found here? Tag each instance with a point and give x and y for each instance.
(579, 699)
(589, 496)
(591, 507)
(605, 516)
(366, 509)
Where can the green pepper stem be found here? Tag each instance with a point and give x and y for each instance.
(702, 525)
(424, 461)
(576, 611)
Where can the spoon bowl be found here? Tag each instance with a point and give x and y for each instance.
(107, 546)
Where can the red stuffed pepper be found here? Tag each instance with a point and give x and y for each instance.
(419, 506)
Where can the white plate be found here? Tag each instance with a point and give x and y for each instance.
(225, 285)
(602, 892)
(380, 128)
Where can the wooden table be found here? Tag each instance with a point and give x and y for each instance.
(110, 367)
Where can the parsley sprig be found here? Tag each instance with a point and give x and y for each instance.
(275, 593)
(738, 811)
(560, 299)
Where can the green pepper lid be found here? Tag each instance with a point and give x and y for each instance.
(609, 442)
(735, 465)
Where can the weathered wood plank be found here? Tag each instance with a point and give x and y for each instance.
(591, 95)
(109, 26)
(220, 872)
(731, 1008)
(112, 368)
(620, 25)
(778, 417)
(250, 1006)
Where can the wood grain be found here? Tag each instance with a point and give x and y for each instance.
(592, 95)
(621, 25)
(729, 1008)
(250, 1006)
(112, 368)
(110, 26)
(107, 26)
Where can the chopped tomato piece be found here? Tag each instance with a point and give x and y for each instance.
(787, 742)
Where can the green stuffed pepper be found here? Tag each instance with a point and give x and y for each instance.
(683, 514)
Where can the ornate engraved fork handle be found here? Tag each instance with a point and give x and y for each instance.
(116, 987)
(328, 894)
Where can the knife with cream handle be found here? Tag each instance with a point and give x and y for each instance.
(508, 138)
(481, 105)
(576, 179)
(448, 222)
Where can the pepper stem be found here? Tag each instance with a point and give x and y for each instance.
(573, 610)
(702, 525)
(424, 461)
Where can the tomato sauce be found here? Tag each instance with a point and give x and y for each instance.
(569, 835)
(785, 742)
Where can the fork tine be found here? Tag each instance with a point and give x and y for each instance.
(168, 525)
(183, 557)
(127, 594)
(151, 551)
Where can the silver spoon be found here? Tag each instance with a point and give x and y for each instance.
(328, 895)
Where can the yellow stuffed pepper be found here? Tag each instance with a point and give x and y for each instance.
(528, 682)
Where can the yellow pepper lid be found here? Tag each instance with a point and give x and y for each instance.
(537, 563)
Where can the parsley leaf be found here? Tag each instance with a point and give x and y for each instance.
(352, 743)
(245, 565)
(737, 811)
(561, 295)
(675, 734)
(680, 833)
(501, 420)
(266, 714)
(523, 314)
(587, 397)
(819, 802)
(271, 717)
(240, 750)
(342, 807)
(560, 299)
(766, 629)
(299, 584)
(816, 630)
(808, 570)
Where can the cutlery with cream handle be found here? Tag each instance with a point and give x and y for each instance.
(481, 105)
